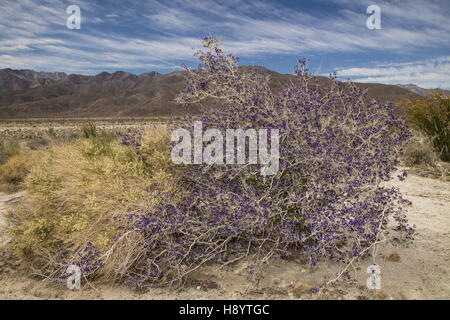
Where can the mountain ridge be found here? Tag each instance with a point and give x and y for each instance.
(420, 91)
(31, 94)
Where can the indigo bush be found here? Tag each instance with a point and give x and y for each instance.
(337, 147)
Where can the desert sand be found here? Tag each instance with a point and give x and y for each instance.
(418, 271)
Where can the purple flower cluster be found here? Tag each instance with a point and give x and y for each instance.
(131, 137)
(88, 260)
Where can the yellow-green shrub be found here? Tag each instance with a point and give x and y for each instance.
(431, 116)
(76, 189)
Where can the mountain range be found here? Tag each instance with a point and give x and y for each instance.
(32, 94)
(420, 91)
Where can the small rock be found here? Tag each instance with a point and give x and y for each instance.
(403, 296)
(382, 295)
(301, 288)
(38, 294)
(394, 257)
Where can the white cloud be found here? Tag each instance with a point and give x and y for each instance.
(429, 74)
(35, 32)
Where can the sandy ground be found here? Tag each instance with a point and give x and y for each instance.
(420, 271)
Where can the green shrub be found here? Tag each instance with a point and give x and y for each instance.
(431, 116)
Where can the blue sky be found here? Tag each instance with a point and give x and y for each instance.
(413, 45)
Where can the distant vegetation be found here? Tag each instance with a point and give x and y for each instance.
(427, 154)
(431, 117)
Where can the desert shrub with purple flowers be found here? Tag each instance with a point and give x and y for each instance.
(337, 147)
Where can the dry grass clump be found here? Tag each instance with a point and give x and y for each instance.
(439, 171)
(420, 152)
(8, 148)
(13, 172)
(88, 129)
(15, 161)
(423, 160)
(76, 192)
